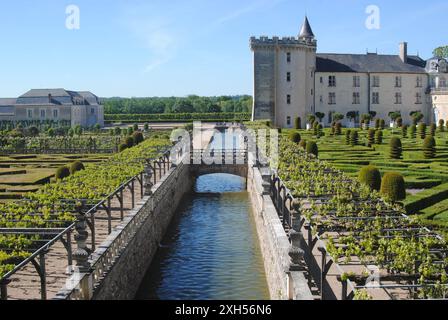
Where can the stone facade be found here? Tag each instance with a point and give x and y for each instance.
(292, 80)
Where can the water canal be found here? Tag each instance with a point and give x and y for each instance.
(211, 250)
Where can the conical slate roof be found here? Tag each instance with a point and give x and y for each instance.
(306, 31)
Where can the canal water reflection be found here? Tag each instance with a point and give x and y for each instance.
(211, 250)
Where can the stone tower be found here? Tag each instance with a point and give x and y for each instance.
(284, 77)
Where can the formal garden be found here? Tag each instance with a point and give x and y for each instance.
(417, 152)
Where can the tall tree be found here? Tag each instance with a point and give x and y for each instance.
(441, 52)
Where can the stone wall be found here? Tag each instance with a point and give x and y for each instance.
(274, 243)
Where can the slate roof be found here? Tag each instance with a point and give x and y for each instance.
(371, 62)
(7, 101)
(37, 93)
(306, 31)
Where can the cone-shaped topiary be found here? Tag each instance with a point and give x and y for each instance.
(76, 166)
(338, 129)
(422, 130)
(302, 144)
(429, 147)
(354, 137)
(371, 137)
(379, 137)
(295, 137)
(315, 128)
(371, 177)
(382, 124)
(138, 137)
(432, 129)
(399, 122)
(413, 131)
(441, 125)
(130, 142)
(347, 137)
(377, 123)
(62, 173)
(395, 148)
(320, 131)
(298, 123)
(122, 147)
(404, 131)
(311, 148)
(393, 187)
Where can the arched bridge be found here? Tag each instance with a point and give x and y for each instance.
(219, 161)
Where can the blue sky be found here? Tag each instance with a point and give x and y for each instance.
(179, 47)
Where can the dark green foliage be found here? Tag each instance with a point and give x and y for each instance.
(354, 137)
(311, 118)
(51, 132)
(303, 144)
(138, 137)
(295, 137)
(347, 136)
(413, 131)
(404, 131)
(117, 131)
(382, 124)
(396, 148)
(76, 166)
(371, 137)
(338, 129)
(371, 177)
(422, 130)
(298, 123)
(393, 187)
(268, 123)
(315, 128)
(399, 122)
(135, 127)
(146, 127)
(62, 173)
(379, 137)
(122, 147)
(320, 131)
(377, 123)
(429, 147)
(441, 125)
(311, 148)
(433, 129)
(130, 142)
(130, 131)
(33, 131)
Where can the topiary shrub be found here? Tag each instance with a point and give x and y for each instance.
(311, 148)
(122, 147)
(396, 148)
(130, 130)
(393, 187)
(76, 166)
(347, 137)
(371, 177)
(62, 173)
(298, 123)
(315, 128)
(130, 142)
(413, 131)
(320, 131)
(441, 125)
(404, 131)
(399, 122)
(422, 130)
(429, 147)
(377, 123)
(382, 124)
(371, 137)
(138, 137)
(135, 127)
(295, 137)
(146, 127)
(302, 144)
(432, 129)
(354, 137)
(379, 137)
(338, 129)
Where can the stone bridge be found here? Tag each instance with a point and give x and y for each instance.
(223, 161)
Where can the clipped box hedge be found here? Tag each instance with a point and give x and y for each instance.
(426, 198)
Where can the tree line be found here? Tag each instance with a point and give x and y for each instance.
(190, 104)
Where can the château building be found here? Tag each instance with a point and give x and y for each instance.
(58, 105)
(292, 80)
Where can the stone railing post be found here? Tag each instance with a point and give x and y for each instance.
(147, 179)
(82, 253)
(267, 180)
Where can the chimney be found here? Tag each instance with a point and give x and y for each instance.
(404, 52)
(49, 98)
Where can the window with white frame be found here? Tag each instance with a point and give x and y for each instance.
(332, 98)
(356, 81)
(419, 81)
(398, 99)
(43, 113)
(375, 98)
(288, 121)
(356, 98)
(288, 76)
(55, 113)
(376, 82)
(288, 99)
(332, 81)
(29, 113)
(398, 82)
(418, 98)
(442, 82)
